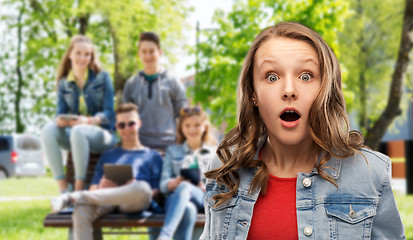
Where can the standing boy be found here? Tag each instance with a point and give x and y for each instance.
(159, 96)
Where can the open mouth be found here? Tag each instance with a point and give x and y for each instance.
(290, 116)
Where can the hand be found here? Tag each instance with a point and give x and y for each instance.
(60, 122)
(78, 120)
(201, 185)
(130, 181)
(155, 192)
(94, 120)
(106, 183)
(174, 183)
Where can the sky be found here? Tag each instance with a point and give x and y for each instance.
(203, 12)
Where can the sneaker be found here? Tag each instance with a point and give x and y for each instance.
(60, 202)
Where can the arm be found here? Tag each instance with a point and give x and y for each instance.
(62, 107)
(387, 223)
(127, 92)
(168, 182)
(178, 97)
(108, 111)
(166, 171)
(98, 173)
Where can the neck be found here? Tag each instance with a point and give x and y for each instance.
(288, 160)
(132, 144)
(151, 70)
(194, 144)
(79, 74)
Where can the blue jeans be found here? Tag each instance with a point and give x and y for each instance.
(182, 207)
(81, 139)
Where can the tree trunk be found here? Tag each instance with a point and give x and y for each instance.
(18, 93)
(375, 134)
(119, 78)
(83, 23)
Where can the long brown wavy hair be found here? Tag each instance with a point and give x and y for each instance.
(66, 64)
(328, 121)
(187, 112)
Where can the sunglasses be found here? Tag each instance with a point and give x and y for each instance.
(122, 125)
(188, 110)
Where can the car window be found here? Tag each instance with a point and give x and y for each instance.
(28, 143)
(4, 144)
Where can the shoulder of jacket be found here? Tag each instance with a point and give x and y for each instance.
(134, 78)
(102, 73)
(376, 159)
(215, 163)
(166, 76)
(371, 164)
(176, 148)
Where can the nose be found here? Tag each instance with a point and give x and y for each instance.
(289, 92)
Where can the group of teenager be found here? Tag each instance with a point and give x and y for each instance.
(290, 169)
(152, 120)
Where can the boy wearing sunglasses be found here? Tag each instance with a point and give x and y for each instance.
(158, 95)
(104, 195)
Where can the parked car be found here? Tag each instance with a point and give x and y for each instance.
(21, 155)
(8, 157)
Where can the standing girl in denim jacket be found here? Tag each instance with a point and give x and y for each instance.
(85, 92)
(186, 192)
(291, 169)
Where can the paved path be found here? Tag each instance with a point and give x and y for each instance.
(8, 199)
(398, 184)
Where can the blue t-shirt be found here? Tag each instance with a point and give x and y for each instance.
(146, 164)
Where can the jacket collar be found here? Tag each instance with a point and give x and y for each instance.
(332, 167)
(90, 76)
(204, 148)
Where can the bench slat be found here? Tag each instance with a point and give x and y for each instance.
(114, 220)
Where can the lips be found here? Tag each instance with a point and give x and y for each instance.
(290, 117)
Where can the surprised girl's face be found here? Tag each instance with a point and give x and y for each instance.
(286, 82)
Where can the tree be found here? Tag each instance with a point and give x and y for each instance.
(221, 55)
(45, 27)
(368, 44)
(397, 84)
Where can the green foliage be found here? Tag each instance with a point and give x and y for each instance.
(48, 25)
(221, 53)
(369, 45)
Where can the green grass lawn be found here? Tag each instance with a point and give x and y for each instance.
(24, 219)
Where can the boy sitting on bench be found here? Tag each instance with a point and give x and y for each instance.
(105, 195)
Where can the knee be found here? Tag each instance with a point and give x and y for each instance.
(82, 215)
(49, 130)
(143, 191)
(78, 132)
(142, 187)
(190, 212)
(184, 187)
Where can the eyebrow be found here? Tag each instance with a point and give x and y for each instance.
(304, 60)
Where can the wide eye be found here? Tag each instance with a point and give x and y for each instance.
(272, 77)
(306, 77)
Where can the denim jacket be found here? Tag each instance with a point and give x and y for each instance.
(98, 93)
(362, 207)
(174, 156)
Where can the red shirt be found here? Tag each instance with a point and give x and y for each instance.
(275, 215)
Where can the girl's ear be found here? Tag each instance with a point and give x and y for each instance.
(254, 99)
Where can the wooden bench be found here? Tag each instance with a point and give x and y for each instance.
(112, 220)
